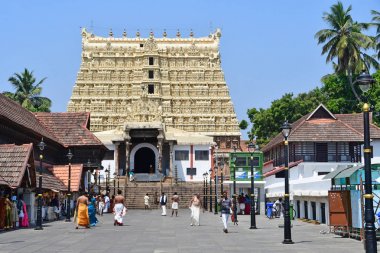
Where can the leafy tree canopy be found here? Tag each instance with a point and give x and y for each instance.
(27, 92)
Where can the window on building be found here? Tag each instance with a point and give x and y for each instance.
(181, 155)
(321, 173)
(241, 161)
(201, 155)
(321, 152)
(151, 61)
(151, 74)
(150, 88)
(141, 45)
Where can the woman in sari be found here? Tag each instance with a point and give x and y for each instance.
(195, 207)
(24, 220)
(8, 214)
(92, 211)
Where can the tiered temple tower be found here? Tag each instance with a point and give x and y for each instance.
(175, 83)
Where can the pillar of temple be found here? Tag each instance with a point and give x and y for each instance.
(116, 156)
(171, 159)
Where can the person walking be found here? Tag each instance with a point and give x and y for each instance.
(146, 202)
(92, 211)
(278, 206)
(195, 207)
(119, 209)
(163, 200)
(101, 205)
(82, 218)
(175, 204)
(226, 205)
(107, 203)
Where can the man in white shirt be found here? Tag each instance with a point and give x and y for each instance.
(163, 200)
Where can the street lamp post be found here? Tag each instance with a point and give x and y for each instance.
(206, 188)
(210, 189)
(234, 201)
(251, 149)
(216, 190)
(221, 178)
(41, 146)
(114, 183)
(286, 128)
(365, 82)
(118, 182)
(68, 207)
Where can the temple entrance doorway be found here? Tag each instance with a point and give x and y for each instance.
(145, 161)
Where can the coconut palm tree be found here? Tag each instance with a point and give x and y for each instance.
(345, 42)
(376, 19)
(28, 92)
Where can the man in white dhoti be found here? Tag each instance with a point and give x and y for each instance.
(163, 200)
(119, 209)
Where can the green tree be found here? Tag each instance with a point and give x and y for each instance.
(376, 20)
(28, 92)
(243, 124)
(345, 42)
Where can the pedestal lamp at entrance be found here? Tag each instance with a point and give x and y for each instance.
(68, 207)
(251, 149)
(41, 146)
(365, 82)
(286, 128)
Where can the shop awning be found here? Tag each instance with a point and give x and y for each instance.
(338, 170)
(348, 172)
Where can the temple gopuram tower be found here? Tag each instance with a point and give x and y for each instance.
(157, 94)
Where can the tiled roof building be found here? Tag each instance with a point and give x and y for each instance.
(16, 165)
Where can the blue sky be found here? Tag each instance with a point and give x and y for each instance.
(267, 47)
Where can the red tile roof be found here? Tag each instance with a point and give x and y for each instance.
(62, 172)
(13, 162)
(49, 181)
(71, 129)
(13, 112)
(314, 127)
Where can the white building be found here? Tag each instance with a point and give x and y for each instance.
(319, 143)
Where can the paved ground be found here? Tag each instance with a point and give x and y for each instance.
(148, 232)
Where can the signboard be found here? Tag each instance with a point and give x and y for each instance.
(240, 165)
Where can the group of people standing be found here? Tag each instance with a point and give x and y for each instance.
(13, 212)
(195, 206)
(87, 207)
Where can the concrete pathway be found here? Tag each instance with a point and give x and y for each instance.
(149, 232)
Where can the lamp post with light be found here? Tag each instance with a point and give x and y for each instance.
(206, 188)
(68, 206)
(210, 173)
(41, 146)
(234, 200)
(286, 129)
(251, 149)
(365, 82)
(216, 189)
(114, 183)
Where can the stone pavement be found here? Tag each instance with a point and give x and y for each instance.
(149, 232)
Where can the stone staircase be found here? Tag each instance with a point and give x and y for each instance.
(134, 192)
